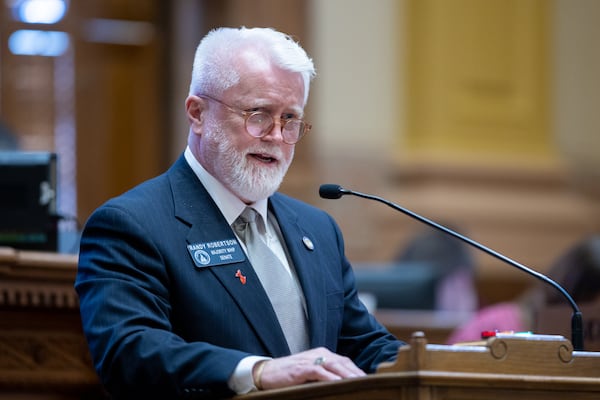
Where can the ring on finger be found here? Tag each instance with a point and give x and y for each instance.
(319, 361)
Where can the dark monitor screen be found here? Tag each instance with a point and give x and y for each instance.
(407, 285)
(28, 200)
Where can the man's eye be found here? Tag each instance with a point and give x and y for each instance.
(288, 116)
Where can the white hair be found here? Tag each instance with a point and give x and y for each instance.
(214, 69)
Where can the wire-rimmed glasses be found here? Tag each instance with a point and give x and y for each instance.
(259, 123)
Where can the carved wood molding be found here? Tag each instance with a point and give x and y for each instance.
(37, 279)
(25, 294)
(44, 359)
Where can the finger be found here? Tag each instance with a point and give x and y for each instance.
(294, 370)
(341, 366)
(333, 362)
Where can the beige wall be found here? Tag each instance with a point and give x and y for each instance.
(577, 88)
(358, 99)
(357, 47)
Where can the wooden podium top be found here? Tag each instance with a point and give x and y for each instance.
(15, 264)
(506, 366)
(547, 355)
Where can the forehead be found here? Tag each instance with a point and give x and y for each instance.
(260, 79)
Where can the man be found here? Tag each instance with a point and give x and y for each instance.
(171, 304)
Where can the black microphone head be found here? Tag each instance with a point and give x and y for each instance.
(331, 191)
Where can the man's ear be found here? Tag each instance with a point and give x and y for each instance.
(194, 107)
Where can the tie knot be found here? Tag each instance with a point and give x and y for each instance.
(249, 217)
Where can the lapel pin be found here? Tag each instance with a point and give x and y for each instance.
(308, 243)
(239, 275)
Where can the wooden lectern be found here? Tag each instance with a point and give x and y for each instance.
(504, 367)
(43, 354)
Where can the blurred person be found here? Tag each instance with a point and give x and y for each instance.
(577, 271)
(175, 299)
(453, 264)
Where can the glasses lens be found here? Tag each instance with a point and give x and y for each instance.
(258, 124)
(292, 130)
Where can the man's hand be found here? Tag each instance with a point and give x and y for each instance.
(312, 365)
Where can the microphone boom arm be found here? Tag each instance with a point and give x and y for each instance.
(576, 319)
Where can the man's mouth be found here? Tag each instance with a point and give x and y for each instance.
(263, 157)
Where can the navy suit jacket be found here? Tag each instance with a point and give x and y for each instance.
(158, 325)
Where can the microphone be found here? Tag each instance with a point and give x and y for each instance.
(333, 191)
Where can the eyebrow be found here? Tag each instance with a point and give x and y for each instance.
(296, 112)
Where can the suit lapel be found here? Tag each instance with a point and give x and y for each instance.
(195, 208)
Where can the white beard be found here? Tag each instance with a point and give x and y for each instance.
(246, 179)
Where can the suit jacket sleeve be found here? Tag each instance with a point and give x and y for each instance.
(127, 313)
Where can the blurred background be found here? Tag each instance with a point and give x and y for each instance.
(479, 114)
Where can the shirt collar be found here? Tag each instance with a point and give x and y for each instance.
(228, 203)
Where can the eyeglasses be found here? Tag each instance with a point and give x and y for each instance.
(259, 123)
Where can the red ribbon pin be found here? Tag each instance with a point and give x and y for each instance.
(239, 275)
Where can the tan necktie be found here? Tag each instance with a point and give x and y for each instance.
(280, 286)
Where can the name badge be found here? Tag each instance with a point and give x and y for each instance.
(219, 252)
